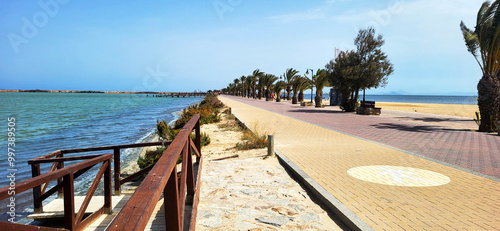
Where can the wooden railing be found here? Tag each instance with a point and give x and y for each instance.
(65, 177)
(57, 159)
(72, 220)
(163, 179)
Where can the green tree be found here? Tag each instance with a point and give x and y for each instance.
(290, 75)
(365, 68)
(243, 85)
(320, 80)
(267, 82)
(255, 78)
(343, 74)
(374, 66)
(280, 85)
(237, 86)
(297, 84)
(248, 85)
(306, 86)
(484, 41)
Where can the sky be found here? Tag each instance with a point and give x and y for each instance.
(171, 45)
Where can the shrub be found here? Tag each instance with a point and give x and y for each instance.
(208, 110)
(151, 157)
(209, 113)
(205, 138)
(165, 131)
(252, 141)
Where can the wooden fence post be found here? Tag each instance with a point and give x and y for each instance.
(37, 191)
(197, 141)
(107, 188)
(171, 203)
(69, 203)
(116, 155)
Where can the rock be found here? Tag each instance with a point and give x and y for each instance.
(281, 202)
(248, 214)
(298, 208)
(205, 214)
(309, 217)
(275, 221)
(268, 197)
(243, 225)
(212, 223)
(281, 181)
(284, 211)
(250, 191)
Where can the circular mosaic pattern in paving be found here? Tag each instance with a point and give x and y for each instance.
(398, 176)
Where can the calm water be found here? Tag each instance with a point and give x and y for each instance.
(46, 122)
(415, 98)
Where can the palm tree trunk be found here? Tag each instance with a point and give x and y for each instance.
(318, 99)
(488, 101)
(294, 98)
(301, 96)
(288, 92)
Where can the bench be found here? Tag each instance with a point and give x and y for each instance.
(368, 108)
(368, 104)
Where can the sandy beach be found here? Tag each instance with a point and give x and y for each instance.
(461, 110)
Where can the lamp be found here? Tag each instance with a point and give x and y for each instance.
(312, 74)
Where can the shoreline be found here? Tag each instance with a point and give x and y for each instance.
(105, 92)
(132, 166)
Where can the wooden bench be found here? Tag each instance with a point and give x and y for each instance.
(368, 108)
(368, 104)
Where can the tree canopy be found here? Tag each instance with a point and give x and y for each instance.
(365, 68)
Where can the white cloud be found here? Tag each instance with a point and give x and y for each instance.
(308, 15)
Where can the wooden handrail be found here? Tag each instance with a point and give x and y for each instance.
(103, 148)
(163, 179)
(72, 221)
(47, 177)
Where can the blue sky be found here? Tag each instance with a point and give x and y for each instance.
(168, 45)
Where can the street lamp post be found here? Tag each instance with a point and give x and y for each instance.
(312, 74)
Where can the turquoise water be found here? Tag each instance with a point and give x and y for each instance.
(46, 122)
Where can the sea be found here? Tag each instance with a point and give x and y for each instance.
(45, 122)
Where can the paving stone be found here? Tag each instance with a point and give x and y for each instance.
(309, 217)
(275, 221)
(212, 222)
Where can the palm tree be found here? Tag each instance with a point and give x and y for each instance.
(243, 83)
(320, 80)
(255, 77)
(280, 85)
(236, 85)
(485, 41)
(297, 83)
(260, 85)
(248, 85)
(290, 75)
(307, 85)
(267, 82)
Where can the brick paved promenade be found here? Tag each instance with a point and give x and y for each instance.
(387, 187)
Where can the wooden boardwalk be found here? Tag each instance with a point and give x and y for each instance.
(156, 222)
(54, 210)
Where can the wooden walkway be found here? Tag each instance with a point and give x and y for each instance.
(156, 222)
